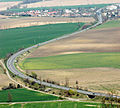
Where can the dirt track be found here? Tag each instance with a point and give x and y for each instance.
(32, 21)
(102, 40)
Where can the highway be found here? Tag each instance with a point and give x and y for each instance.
(12, 68)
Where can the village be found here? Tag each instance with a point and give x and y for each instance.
(109, 12)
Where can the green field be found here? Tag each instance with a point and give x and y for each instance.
(10, 105)
(13, 39)
(67, 104)
(109, 24)
(69, 61)
(59, 7)
(24, 95)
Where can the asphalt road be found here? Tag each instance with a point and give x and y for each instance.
(12, 68)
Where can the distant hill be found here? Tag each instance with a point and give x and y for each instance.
(50, 3)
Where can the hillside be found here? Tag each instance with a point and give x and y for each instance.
(28, 36)
(53, 61)
(69, 3)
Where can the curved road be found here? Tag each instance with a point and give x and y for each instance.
(12, 68)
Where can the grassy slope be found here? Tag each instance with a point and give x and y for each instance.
(53, 105)
(13, 39)
(82, 60)
(60, 7)
(23, 95)
(109, 24)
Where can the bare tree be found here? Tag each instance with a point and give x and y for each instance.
(66, 82)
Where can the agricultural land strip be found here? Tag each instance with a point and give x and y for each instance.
(32, 21)
(28, 36)
(53, 3)
(24, 95)
(109, 24)
(5, 5)
(52, 105)
(4, 81)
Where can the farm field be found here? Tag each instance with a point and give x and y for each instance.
(87, 68)
(100, 44)
(28, 36)
(62, 105)
(5, 5)
(95, 40)
(109, 24)
(3, 17)
(24, 95)
(73, 61)
(70, 3)
(32, 21)
(65, 104)
(4, 80)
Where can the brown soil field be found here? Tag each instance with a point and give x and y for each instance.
(3, 17)
(91, 78)
(32, 21)
(70, 3)
(100, 40)
(4, 80)
(5, 5)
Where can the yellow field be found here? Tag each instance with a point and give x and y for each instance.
(70, 3)
(32, 21)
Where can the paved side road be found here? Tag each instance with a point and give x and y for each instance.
(12, 68)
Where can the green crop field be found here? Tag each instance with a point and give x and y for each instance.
(66, 104)
(24, 95)
(59, 7)
(61, 105)
(109, 24)
(13, 39)
(10, 105)
(69, 61)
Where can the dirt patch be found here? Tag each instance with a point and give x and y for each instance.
(92, 78)
(32, 21)
(51, 3)
(91, 105)
(102, 40)
(3, 17)
(4, 80)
